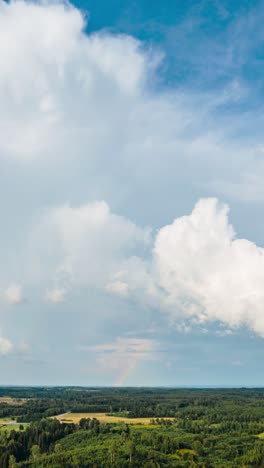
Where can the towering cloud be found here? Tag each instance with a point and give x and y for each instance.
(207, 273)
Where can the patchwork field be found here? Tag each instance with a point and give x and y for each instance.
(102, 417)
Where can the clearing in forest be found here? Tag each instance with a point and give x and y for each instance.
(102, 417)
(6, 400)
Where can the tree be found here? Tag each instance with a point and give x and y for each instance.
(113, 451)
(132, 450)
(75, 461)
(59, 453)
(35, 452)
(12, 462)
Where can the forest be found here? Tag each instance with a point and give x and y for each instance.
(147, 427)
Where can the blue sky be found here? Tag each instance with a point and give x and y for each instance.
(131, 158)
(206, 44)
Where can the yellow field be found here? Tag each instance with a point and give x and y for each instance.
(102, 417)
(12, 401)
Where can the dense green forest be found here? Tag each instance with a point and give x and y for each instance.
(187, 427)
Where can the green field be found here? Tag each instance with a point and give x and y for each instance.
(9, 427)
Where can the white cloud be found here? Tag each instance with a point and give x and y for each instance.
(14, 294)
(56, 295)
(55, 80)
(119, 288)
(79, 108)
(5, 346)
(87, 244)
(196, 268)
(206, 273)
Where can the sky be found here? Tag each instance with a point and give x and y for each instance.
(131, 194)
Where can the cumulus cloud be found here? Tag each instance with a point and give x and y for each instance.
(53, 76)
(5, 346)
(207, 273)
(195, 269)
(56, 295)
(88, 243)
(14, 294)
(119, 288)
(57, 82)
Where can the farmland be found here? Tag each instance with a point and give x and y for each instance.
(6, 400)
(102, 417)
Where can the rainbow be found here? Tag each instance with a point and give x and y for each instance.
(134, 359)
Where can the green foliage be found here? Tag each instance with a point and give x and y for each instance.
(211, 428)
(12, 462)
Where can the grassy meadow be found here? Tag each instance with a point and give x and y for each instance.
(102, 417)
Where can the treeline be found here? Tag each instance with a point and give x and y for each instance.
(209, 428)
(18, 444)
(94, 445)
(141, 402)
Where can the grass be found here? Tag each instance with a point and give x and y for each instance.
(9, 427)
(102, 417)
(13, 401)
(5, 420)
